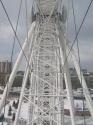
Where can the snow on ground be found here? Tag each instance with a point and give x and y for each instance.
(89, 121)
(5, 123)
(78, 104)
(24, 111)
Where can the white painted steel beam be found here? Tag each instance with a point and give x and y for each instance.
(26, 74)
(67, 75)
(31, 100)
(43, 113)
(21, 95)
(16, 66)
(82, 81)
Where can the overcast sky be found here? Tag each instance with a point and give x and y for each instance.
(85, 36)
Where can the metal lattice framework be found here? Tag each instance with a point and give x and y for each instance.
(47, 65)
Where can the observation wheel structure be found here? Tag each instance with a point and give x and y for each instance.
(45, 50)
(46, 69)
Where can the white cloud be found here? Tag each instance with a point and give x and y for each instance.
(86, 53)
(5, 33)
(4, 56)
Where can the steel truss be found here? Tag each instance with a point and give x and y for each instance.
(46, 68)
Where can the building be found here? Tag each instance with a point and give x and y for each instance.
(5, 70)
(5, 67)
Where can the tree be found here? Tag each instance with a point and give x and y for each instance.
(13, 118)
(13, 104)
(10, 111)
(1, 117)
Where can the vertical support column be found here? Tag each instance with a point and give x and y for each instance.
(22, 94)
(31, 100)
(61, 98)
(84, 85)
(16, 66)
(60, 88)
(28, 68)
(67, 76)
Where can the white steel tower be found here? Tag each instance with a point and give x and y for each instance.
(47, 66)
